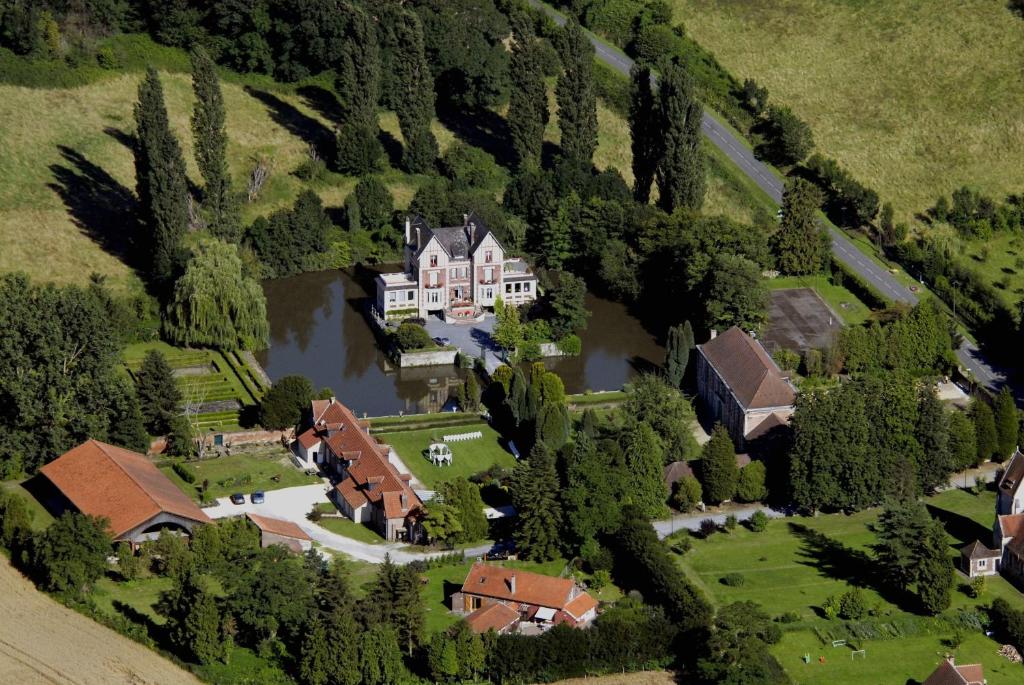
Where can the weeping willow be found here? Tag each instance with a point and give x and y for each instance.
(214, 305)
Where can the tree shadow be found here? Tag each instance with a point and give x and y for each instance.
(156, 632)
(322, 101)
(641, 365)
(99, 205)
(448, 590)
(123, 137)
(480, 128)
(392, 148)
(963, 528)
(295, 122)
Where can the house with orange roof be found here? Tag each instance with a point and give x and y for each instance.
(368, 489)
(124, 487)
(948, 673)
(742, 387)
(279, 532)
(526, 598)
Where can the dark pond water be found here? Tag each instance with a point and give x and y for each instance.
(317, 329)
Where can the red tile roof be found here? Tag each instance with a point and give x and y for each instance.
(948, 674)
(497, 617)
(1011, 525)
(286, 529)
(309, 438)
(530, 588)
(746, 368)
(123, 486)
(578, 607)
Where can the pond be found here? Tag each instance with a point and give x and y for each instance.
(318, 330)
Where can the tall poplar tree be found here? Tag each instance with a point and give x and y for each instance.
(358, 88)
(932, 432)
(718, 471)
(160, 183)
(528, 102)
(801, 245)
(158, 393)
(643, 454)
(416, 87)
(677, 355)
(577, 99)
(985, 431)
(680, 173)
(645, 131)
(211, 147)
(534, 494)
(1007, 423)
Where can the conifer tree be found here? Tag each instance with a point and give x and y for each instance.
(645, 129)
(528, 102)
(643, 452)
(677, 356)
(160, 183)
(534, 487)
(575, 94)
(380, 661)
(1007, 422)
(158, 393)
(912, 550)
(556, 233)
(358, 88)
(211, 147)
(801, 245)
(932, 433)
(986, 434)
(314, 653)
(553, 425)
(194, 620)
(680, 173)
(416, 86)
(718, 470)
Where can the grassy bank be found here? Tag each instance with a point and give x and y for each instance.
(941, 113)
(469, 457)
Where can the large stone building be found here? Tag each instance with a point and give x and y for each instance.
(455, 271)
(1006, 556)
(369, 488)
(125, 488)
(741, 387)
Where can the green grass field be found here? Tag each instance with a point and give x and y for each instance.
(254, 469)
(843, 302)
(470, 457)
(41, 518)
(350, 529)
(915, 98)
(799, 562)
(141, 595)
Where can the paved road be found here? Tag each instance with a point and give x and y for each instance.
(725, 139)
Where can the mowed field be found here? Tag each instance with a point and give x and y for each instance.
(915, 97)
(44, 642)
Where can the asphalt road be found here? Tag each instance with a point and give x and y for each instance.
(760, 173)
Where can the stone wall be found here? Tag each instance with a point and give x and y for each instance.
(428, 358)
(233, 439)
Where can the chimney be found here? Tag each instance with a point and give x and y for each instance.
(465, 219)
(512, 584)
(332, 400)
(417, 237)
(714, 334)
(408, 231)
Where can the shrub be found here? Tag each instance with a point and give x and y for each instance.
(682, 545)
(106, 58)
(730, 522)
(788, 617)
(284, 403)
(600, 579)
(977, 587)
(733, 579)
(750, 486)
(687, 493)
(708, 528)
(410, 336)
(311, 170)
(375, 202)
(570, 345)
(831, 607)
(758, 521)
(314, 514)
(470, 167)
(852, 605)
(184, 472)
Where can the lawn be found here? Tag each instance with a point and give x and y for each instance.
(797, 563)
(470, 457)
(254, 469)
(141, 595)
(842, 301)
(350, 529)
(41, 518)
(915, 98)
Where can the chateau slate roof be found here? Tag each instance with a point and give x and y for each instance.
(1011, 479)
(748, 370)
(452, 237)
(118, 484)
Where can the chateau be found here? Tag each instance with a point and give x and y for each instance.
(1006, 556)
(454, 271)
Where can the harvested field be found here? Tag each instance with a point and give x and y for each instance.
(44, 642)
(641, 678)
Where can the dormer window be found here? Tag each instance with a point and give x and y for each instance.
(433, 260)
(488, 256)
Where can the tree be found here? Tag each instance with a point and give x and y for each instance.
(574, 92)
(286, 401)
(358, 86)
(680, 173)
(556, 233)
(735, 294)
(528, 102)
(457, 654)
(644, 128)
(643, 455)
(1007, 422)
(214, 304)
(508, 331)
(270, 596)
(15, 519)
(380, 661)
(553, 425)
(194, 621)
(534, 489)
(416, 85)
(442, 523)
(801, 246)
(932, 433)
(411, 336)
(677, 355)
(737, 650)
(750, 485)
(651, 399)
(398, 602)
(718, 471)
(315, 653)
(963, 441)
(160, 183)
(986, 435)
(288, 239)
(211, 147)
(791, 137)
(568, 305)
(72, 554)
(912, 550)
(687, 494)
(158, 392)
(464, 498)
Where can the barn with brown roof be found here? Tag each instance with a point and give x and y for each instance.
(278, 532)
(121, 486)
(741, 386)
(533, 597)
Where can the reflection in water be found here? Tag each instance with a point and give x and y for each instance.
(317, 329)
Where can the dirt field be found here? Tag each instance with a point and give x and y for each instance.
(643, 678)
(44, 642)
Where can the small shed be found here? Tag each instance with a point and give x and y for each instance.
(279, 532)
(978, 560)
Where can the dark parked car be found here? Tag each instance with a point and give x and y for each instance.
(258, 497)
(238, 498)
